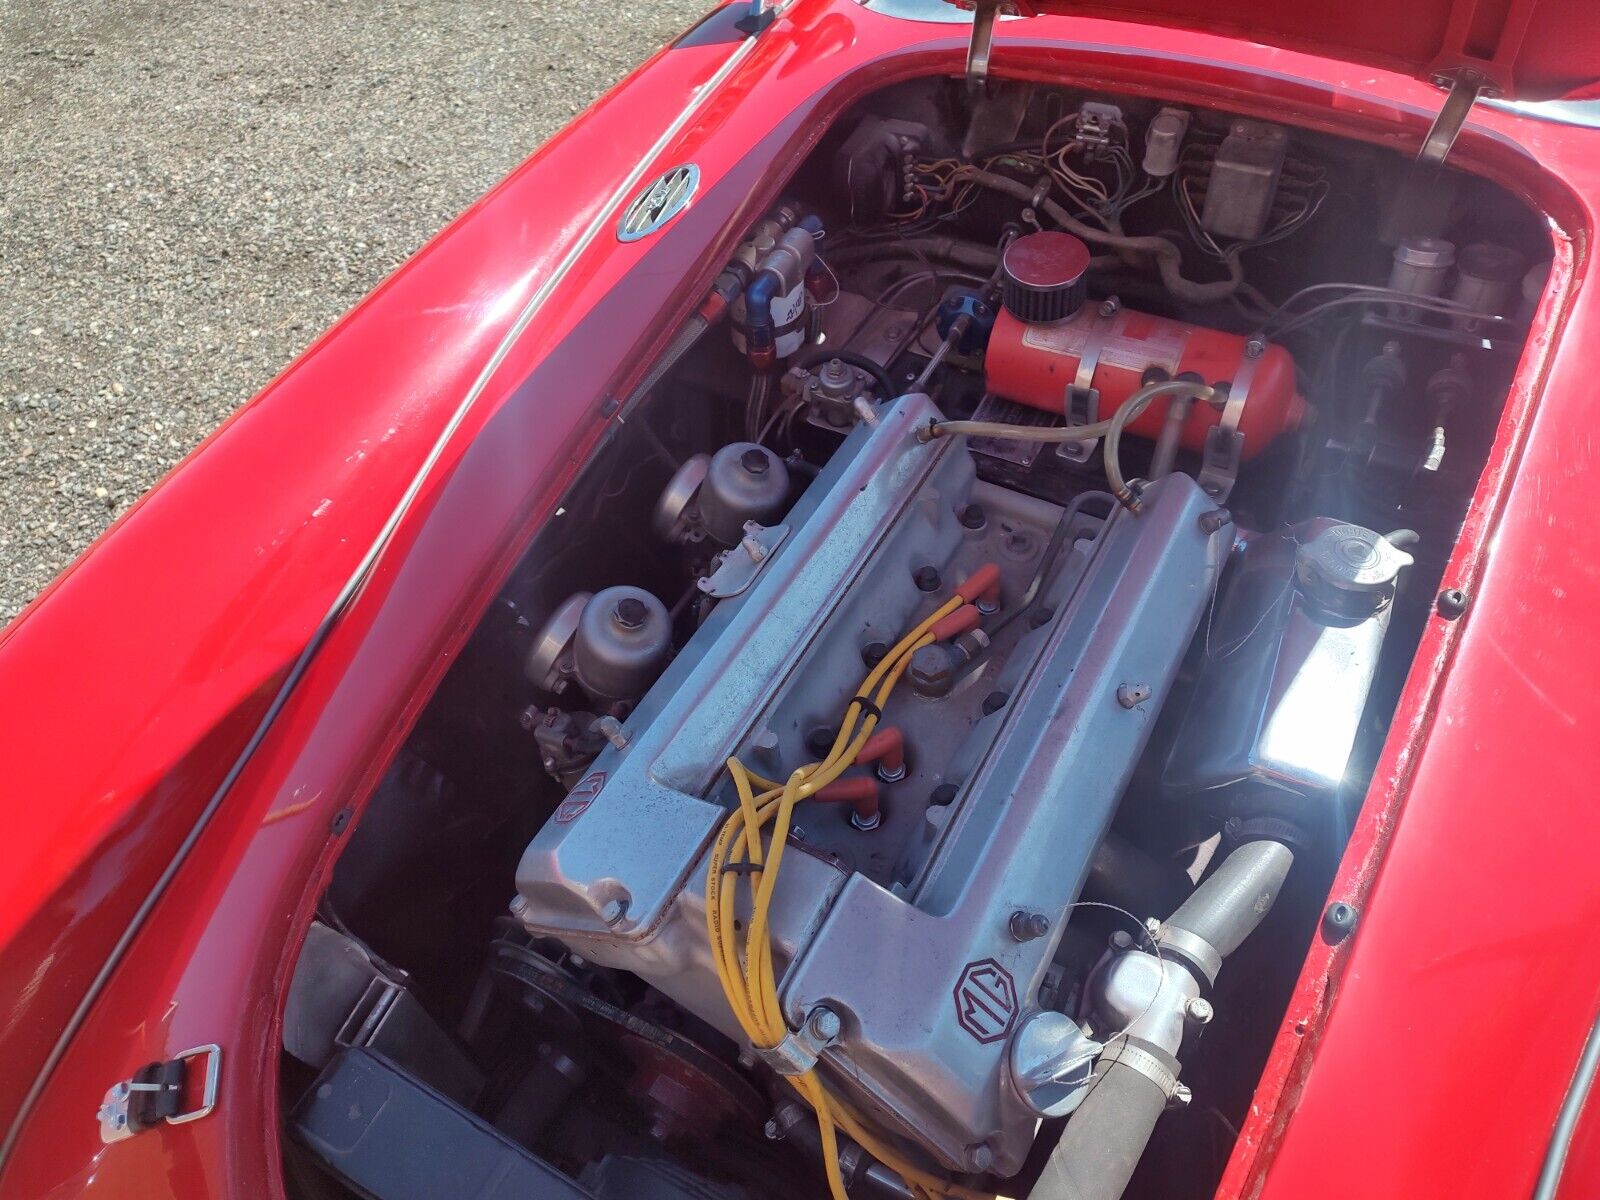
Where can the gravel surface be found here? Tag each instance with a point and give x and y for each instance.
(191, 190)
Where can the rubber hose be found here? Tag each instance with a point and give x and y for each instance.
(850, 357)
(1169, 259)
(1226, 908)
(1121, 873)
(957, 251)
(1106, 1137)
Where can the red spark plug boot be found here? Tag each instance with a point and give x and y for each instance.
(983, 586)
(887, 748)
(963, 620)
(860, 792)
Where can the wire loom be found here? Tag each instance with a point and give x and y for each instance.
(747, 977)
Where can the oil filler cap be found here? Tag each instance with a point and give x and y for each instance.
(1044, 277)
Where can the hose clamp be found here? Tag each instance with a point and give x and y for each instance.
(1219, 465)
(1148, 1065)
(1192, 949)
(798, 1053)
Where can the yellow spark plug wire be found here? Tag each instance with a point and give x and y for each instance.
(750, 984)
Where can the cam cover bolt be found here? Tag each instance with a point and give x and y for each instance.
(1199, 1011)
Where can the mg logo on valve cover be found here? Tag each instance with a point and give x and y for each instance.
(580, 797)
(986, 1000)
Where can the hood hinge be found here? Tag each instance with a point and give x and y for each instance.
(1466, 86)
(984, 15)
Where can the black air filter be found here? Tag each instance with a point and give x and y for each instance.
(1045, 277)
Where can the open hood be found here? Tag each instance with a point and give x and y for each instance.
(1520, 49)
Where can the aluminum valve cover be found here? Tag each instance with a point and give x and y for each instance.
(904, 930)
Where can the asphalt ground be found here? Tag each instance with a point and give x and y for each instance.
(191, 191)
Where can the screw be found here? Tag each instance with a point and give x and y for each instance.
(773, 1133)
(1452, 603)
(1110, 307)
(873, 653)
(1026, 926)
(630, 612)
(825, 1023)
(754, 461)
(1131, 695)
(927, 578)
(1215, 519)
(979, 1157)
(531, 716)
(612, 911)
(820, 740)
(1338, 922)
(1199, 1011)
(972, 516)
(1181, 1095)
(1255, 347)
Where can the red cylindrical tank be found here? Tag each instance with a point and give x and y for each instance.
(1036, 364)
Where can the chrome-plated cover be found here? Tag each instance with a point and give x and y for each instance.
(662, 199)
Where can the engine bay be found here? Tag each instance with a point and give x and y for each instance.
(913, 759)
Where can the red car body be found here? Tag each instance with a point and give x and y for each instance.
(175, 808)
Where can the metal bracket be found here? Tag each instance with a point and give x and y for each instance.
(1466, 87)
(799, 1051)
(984, 15)
(1219, 464)
(1082, 393)
(757, 17)
(737, 568)
(155, 1094)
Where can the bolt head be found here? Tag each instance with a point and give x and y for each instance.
(979, 1157)
(754, 462)
(825, 1024)
(1199, 1011)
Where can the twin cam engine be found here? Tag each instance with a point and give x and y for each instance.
(922, 894)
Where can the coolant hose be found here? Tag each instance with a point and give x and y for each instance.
(1106, 1137)
(1227, 907)
(1169, 259)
